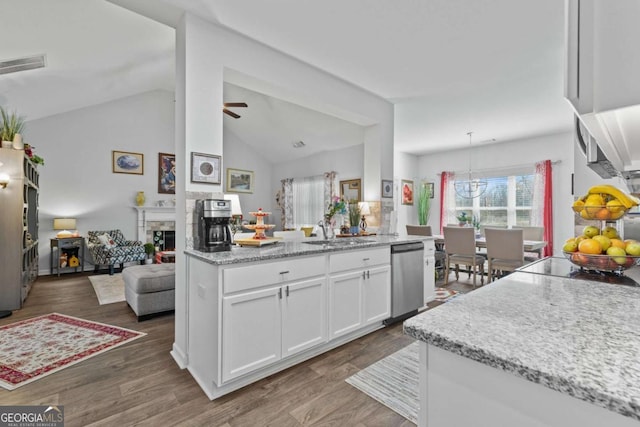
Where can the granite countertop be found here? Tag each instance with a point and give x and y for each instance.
(578, 337)
(285, 249)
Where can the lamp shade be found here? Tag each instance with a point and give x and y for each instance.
(64, 224)
(364, 208)
(236, 209)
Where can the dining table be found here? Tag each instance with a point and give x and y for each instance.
(481, 242)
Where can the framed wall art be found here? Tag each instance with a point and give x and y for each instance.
(205, 168)
(431, 189)
(127, 162)
(166, 173)
(351, 190)
(387, 188)
(239, 181)
(407, 192)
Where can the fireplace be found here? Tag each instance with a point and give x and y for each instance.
(157, 225)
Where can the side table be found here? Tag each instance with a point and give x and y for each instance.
(63, 250)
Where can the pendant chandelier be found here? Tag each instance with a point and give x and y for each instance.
(470, 188)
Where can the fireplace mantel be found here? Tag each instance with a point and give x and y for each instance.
(153, 213)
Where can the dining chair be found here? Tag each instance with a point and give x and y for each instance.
(419, 230)
(439, 255)
(460, 248)
(289, 235)
(532, 233)
(505, 250)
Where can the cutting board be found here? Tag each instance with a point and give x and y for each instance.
(257, 242)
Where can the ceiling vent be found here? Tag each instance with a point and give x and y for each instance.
(22, 64)
(299, 144)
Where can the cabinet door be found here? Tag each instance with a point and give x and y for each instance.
(345, 303)
(429, 271)
(377, 294)
(304, 315)
(251, 332)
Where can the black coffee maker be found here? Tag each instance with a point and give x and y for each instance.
(211, 230)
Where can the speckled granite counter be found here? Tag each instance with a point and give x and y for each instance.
(285, 249)
(581, 338)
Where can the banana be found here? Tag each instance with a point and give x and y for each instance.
(627, 201)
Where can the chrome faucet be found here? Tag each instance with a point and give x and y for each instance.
(324, 231)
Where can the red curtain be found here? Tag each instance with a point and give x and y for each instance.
(544, 169)
(444, 182)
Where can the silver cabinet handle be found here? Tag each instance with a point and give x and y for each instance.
(284, 272)
(287, 291)
(365, 259)
(363, 275)
(367, 274)
(280, 293)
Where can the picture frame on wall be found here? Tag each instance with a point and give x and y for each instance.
(387, 188)
(205, 168)
(240, 181)
(431, 189)
(127, 162)
(406, 192)
(166, 173)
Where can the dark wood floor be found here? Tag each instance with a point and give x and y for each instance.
(140, 384)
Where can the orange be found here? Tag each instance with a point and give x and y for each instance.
(603, 213)
(617, 243)
(590, 246)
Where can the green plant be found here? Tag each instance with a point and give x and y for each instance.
(149, 248)
(424, 203)
(476, 223)
(462, 218)
(11, 124)
(354, 213)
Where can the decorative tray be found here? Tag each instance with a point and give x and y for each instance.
(257, 242)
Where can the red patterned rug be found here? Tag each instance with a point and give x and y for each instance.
(34, 348)
(444, 294)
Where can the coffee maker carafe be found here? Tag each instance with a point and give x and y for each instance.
(212, 232)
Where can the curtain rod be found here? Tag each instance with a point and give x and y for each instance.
(522, 166)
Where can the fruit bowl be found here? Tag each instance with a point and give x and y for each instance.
(602, 262)
(608, 212)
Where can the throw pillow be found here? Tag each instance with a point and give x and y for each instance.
(107, 241)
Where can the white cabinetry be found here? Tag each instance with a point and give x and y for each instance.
(266, 322)
(429, 270)
(601, 74)
(359, 289)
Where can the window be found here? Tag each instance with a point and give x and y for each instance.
(308, 201)
(507, 201)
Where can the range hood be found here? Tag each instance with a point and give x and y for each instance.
(609, 154)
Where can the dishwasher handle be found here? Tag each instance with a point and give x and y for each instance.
(407, 247)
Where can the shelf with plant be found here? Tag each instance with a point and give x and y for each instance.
(12, 125)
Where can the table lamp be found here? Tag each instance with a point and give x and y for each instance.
(364, 210)
(236, 212)
(64, 224)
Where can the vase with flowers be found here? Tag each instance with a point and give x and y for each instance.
(354, 217)
(336, 207)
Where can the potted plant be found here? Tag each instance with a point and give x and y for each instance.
(476, 224)
(462, 219)
(424, 203)
(354, 217)
(149, 249)
(12, 125)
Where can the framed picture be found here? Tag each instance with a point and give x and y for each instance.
(431, 188)
(407, 192)
(205, 168)
(166, 173)
(239, 181)
(126, 162)
(350, 190)
(387, 188)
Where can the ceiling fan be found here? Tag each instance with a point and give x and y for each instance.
(233, 104)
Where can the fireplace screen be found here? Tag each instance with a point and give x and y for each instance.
(164, 240)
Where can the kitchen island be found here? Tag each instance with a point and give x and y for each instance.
(254, 311)
(532, 350)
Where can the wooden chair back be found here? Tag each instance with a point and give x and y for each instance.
(419, 230)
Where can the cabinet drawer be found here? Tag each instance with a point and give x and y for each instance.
(246, 277)
(349, 260)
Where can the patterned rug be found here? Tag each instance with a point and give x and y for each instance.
(109, 289)
(34, 348)
(393, 381)
(444, 294)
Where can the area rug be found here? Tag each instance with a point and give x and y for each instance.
(109, 289)
(393, 381)
(34, 348)
(444, 294)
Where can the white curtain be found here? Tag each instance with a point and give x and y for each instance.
(308, 201)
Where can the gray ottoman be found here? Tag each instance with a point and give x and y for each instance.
(150, 289)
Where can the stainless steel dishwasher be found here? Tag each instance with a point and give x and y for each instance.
(407, 280)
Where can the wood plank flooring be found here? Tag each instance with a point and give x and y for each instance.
(140, 384)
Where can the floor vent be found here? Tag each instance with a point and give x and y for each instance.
(22, 64)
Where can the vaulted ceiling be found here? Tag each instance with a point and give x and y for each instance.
(494, 67)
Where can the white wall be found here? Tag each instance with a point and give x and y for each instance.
(348, 163)
(77, 179)
(405, 167)
(557, 147)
